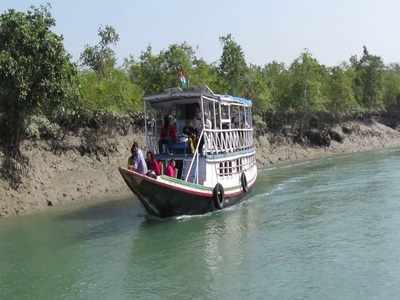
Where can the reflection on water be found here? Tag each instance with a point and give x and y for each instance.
(325, 229)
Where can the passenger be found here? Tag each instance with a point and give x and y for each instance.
(207, 121)
(171, 170)
(234, 122)
(196, 122)
(136, 161)
(152, 164)
(192, 141)
(167, 135)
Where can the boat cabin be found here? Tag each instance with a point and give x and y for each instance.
(209, 136)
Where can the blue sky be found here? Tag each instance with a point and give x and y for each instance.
(332, 30)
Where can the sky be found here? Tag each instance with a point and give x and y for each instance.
(267, 30)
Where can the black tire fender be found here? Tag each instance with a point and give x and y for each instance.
(243, 181)
(218, 196)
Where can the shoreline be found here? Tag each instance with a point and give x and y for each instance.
(364, 136)
(57, 178)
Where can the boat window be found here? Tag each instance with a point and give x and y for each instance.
(225, 117)
(224, 112)
(217, 117)
(245, 117)
(237, 166)
(209, 114)
(235, 116)
(248, 118)
(185, 113)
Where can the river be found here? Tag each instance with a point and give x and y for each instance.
(327, 229)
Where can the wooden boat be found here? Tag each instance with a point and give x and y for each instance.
(221, 169)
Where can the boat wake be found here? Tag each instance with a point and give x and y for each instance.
(232, 208)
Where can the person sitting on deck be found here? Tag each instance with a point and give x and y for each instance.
(167, 135)
(191, 139)
(153, 165)
(207, 121)
(136, 161)
(171, 170)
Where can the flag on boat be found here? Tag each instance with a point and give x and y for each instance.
(183, 80)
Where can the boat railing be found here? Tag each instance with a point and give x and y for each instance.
(195, 157)
(221, 141)
(152, 143)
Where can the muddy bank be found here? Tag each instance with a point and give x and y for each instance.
(66, 172)
(74, 170)
(347, 137)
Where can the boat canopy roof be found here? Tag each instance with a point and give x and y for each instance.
(177, 94)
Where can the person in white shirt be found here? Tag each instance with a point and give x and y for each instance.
(136, 161)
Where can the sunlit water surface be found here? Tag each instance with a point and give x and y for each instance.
(321, 230)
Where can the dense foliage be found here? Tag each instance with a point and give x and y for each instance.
(35, 70)
(103, 87)
(115, 93)
(363, 84)
(36, 75)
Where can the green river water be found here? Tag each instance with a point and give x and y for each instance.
(326, 229)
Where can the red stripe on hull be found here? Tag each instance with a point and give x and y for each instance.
(166, 200)
(207, 195)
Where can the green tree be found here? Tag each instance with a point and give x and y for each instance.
(277, 80)
(35, 70)
(156, 72)
(368, 80)
(255, 87)
(232, 67)
(205, 74)
(341, 97)
(100, 57)
(177, 58)
(147, 72)
(391, 85)
(306, 90)
(116, 93)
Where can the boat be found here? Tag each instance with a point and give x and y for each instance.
(217, 173)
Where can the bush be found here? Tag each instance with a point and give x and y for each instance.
(41, 127)
(114, 93)
(35, 71)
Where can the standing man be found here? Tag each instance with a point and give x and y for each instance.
(136, 161)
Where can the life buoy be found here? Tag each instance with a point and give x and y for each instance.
(218, 194)
(243, 181)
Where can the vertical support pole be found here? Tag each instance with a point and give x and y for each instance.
(215, 116)
(251, 117)
(220, 127)
(240, 118)
(202, 111)
(229, 116)
(197, 169)
(213, 134)
(202, 120)
(245, 115)
(219, 108)
(145, 127)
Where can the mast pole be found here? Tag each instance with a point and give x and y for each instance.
(145, 126)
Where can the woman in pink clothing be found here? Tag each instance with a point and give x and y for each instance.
(171, 170)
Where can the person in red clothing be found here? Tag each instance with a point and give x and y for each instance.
(168, 134)
(153, 165)
(171, 170)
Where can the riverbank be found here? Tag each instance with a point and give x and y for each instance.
(71, 171)
(357, 136)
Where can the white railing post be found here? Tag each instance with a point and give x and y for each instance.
(194, 155)
(197, 169)
(227, 140)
